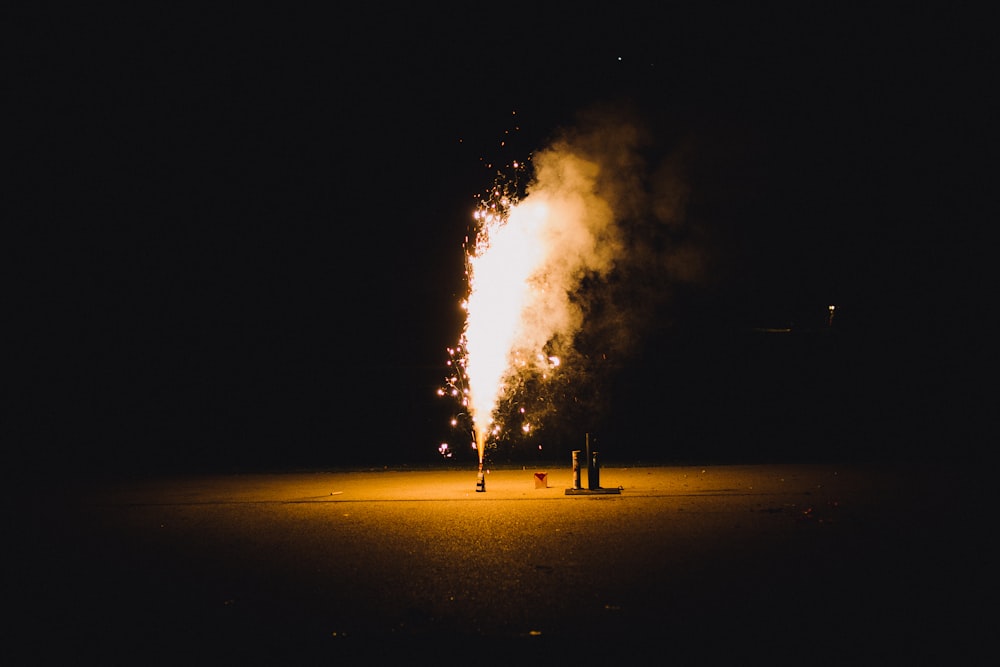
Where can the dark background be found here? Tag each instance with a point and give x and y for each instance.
(237, 237)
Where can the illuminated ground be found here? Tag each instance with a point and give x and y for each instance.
(815, 561)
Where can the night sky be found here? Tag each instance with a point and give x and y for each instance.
(238, 237)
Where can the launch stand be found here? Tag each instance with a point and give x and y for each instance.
(593, 475)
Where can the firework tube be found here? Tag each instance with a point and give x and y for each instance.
(576, 469)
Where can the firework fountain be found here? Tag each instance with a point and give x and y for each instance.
(527, 255)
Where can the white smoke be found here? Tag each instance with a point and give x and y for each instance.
(583, 256)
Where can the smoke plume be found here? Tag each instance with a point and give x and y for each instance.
(567, 286)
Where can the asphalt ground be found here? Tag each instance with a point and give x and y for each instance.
(753, 564)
